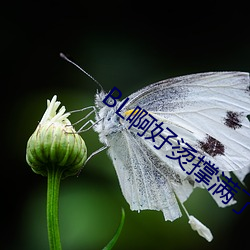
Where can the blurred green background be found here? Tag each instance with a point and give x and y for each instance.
(124, 45)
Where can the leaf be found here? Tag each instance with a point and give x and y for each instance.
(117, 234)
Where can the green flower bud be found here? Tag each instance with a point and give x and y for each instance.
(55, 144)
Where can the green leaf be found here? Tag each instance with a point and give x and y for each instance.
(117, 234)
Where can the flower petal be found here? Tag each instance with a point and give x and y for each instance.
(51, 115)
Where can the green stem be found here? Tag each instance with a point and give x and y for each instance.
(54, 177)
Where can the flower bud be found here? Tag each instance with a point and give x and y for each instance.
(55, 144)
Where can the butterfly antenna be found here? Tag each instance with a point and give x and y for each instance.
(90, 76)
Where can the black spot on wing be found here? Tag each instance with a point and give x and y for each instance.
(212, 146)
(233, 119)
(248, 117)
(248, 89)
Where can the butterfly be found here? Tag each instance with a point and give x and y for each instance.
(207, 110)
(199, 130)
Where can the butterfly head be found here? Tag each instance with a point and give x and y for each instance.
(99, 97)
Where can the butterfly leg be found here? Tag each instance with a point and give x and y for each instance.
(96, 152)
(81, 129)
(91, 155)
(86, 116)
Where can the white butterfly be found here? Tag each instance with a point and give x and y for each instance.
(209, 111)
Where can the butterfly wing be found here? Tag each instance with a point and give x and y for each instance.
(212, 106)
(147, 178)
(142, 184)
(207, 110)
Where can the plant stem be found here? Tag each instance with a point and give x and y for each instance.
(54, 177)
